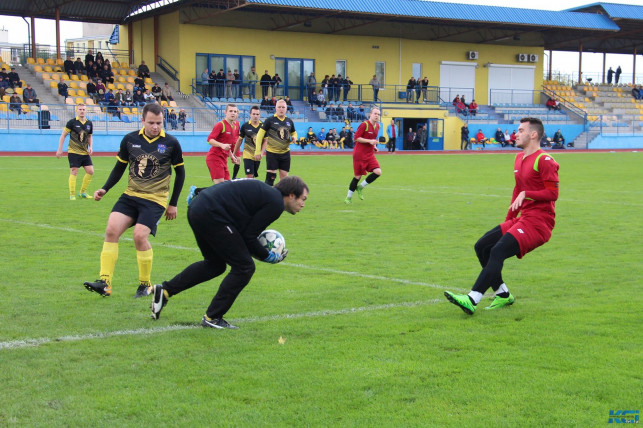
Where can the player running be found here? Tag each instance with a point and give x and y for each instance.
(249, 132)
(364, 155)
(534, 199)
(150, 154)
(80, 131)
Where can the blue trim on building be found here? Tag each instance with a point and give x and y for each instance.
(453, 11)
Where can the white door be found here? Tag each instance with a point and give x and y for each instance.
(511, 84)
(457, 78)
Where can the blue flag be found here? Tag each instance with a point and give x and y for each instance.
(113, 39)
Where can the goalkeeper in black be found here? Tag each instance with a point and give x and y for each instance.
(226, 220)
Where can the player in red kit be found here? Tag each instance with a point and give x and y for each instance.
(223, 137)
(529, 222)
(364, 155)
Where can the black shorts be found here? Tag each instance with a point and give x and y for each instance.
(76, 160)
(144, 212)
(275, 161)
(251, 166)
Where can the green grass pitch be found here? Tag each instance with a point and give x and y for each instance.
(368, 340)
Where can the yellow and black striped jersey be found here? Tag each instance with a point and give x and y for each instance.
(79, 133)
(279, 133)
(249, 133)
(150, 162)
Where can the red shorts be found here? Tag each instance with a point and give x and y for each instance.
(363, 165)
(218, 167)
(530, 234)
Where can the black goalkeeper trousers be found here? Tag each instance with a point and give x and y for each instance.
(220, 245)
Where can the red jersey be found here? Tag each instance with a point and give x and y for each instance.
(537, 175)
(368, 131)
(224, 133)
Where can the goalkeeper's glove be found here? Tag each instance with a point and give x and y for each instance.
(274, 257)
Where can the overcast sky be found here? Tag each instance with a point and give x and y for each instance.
(566, 62)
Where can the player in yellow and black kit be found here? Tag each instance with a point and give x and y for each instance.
(249, 131)
(279, 132)
(80, 131)
(150, 154)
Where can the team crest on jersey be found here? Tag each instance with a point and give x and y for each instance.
(162, 148)
(146, 166)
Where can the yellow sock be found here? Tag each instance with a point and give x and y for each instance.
(108, 258)
(144, 259)
(72, 184)
(86, 180)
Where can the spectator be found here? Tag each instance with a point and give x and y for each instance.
(112, 104)
(14, 78)
(212, 84)
(617, 75)
(361, 114)
(392, 132)
(324, 86)
(92, 72)
(321, 100)
(610, 74)
(276, 81)
(68, 66)
(422, 137)
(463, 101)
(322, 143)
(347, 82)
(340, 113)
(507, 137)
(252, 78)
(149, 97)
(220, 82)
(4, 85)
(330, 112)
(99, 58)
(107, 75)
(473, 108)
(128, 98)
(157, 92)
(513, 138)
(500, 137)
(290, 108)
(166, 93)
(109, 97)
(351, 114)
(375, 84)
(29, 95)
(346, 137)
(637, 93)
(236, 84)
(265, 84)
(480, 138)
(266, 104)
(461, 108)
(312, 99)
(89, 59)
(331, 138)
(418, 90)
(424, 84)
(63, 89)
(558, 140)
(205, 86)
(119, 97)
(15, 104)
(456, 100)
(79, 67)
(465, 144)
(139, 98)
(183, 117)
(332, 84)
(410, 88)
(171, 117)
(100, 90)
(310, 138)
(229, 80)
(311, 84)
(552, 104)
(143, 70)
(410, 137)
(545, 141)
(108, 64)
(91, 90)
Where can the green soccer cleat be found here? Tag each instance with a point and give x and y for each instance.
(360, 192)
(499, 302)
(83, 196)
(461, 300)
(72, 198)
(348, 200)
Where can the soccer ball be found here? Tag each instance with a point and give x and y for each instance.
(273, 241)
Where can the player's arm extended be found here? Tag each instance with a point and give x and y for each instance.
(115, 175)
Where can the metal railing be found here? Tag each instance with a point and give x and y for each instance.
(19, 53)
(172, 72)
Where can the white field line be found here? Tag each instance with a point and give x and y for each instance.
(29, 343)
(177, 247)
